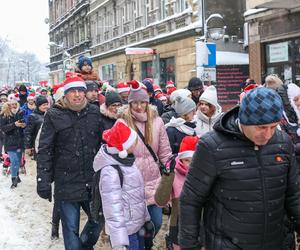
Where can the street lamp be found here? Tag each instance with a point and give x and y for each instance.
(28, 67)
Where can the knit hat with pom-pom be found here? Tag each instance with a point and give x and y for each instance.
(183, 105)
(119, 139)
(188, 146)
(138, 92)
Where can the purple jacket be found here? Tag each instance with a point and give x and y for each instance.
(124, 207)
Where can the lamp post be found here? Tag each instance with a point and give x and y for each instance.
(202, 51)
(28, 68)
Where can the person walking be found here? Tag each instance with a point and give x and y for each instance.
(12, 124)
(68, 144)
(123, 198)
(209, 111)
(243, 180)
(143, 118)
(182, 126)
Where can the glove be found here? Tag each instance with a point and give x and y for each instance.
(45, 194)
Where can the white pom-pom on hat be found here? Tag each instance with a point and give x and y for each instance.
(123, 154)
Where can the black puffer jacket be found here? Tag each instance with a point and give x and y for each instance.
(244, 190)
(169, 112)
(35, 120)
(14, 136)
(68, 144)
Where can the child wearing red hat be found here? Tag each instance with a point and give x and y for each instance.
(172, 184)
(123, 199)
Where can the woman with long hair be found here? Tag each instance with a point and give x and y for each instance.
(143, 118)
(12, 124)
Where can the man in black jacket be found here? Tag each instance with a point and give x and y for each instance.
(68, 143)
(243, 179)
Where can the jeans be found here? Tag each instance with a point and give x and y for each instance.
(70, 218)
(136, 241)
(156, 218)
(15, 157)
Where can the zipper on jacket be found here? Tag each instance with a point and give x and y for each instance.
(258, 155)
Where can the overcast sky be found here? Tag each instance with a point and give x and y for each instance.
(22, 23)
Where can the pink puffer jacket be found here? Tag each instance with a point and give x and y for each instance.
(144, 160)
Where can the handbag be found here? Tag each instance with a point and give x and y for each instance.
(162, 167)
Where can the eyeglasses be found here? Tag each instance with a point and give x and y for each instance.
(116, 105)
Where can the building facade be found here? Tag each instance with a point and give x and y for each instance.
(274, 39)
(169, 27)
(68, 32)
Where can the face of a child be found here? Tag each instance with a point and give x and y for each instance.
(86, 68)
(297, 101)
(187, 161)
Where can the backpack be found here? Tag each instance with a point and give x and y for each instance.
(96, 207)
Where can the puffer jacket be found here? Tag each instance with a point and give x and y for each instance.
(177, 129)
(68, 143)
(169, 112)
(35, 121)
(124, 207)
(205, 124)
(144, 160)
(245, 191)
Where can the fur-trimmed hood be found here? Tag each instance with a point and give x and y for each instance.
(104, 111)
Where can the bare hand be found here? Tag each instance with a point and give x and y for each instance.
(20, 124)
(29, 151)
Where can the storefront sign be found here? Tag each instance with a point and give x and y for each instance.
(278, 52)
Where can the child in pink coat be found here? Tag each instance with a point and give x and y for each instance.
(171, 185)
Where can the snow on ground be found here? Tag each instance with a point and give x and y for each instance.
(25, 217)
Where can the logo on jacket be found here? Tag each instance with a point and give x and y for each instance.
(236, 163)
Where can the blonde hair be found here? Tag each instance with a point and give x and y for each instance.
(6, 110)
(151, 114)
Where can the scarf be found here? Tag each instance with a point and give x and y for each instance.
(183, 126)
(75, 108)
(140, 117)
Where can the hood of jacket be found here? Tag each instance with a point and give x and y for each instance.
(206, 119)
(104, 111)
(105, 159)
(228, 124)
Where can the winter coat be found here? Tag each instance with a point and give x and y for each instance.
(124, 207)
(14, 137)
(243, 190)
(92, 76)
(68, 143)
(34, 123)
(26, 112)
(158, 104)
(107, 119)
(177, 129)
(168, 114)
(205, 124)
(144, 160)
(22, 99)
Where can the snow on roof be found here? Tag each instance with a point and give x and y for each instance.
(232, 58)
(254, 11)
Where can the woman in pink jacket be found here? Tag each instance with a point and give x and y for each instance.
(143, 117)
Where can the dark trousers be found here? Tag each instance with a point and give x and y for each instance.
(70, 218)
(56, 213)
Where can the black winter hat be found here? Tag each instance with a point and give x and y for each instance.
(92, 85)
(22, 88)
(40, 100)
(112, 97)
(195, 83)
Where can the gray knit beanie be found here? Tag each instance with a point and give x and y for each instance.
(183, 105)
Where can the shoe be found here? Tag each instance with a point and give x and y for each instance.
(54, 232)
(18, 179)
(14, 181)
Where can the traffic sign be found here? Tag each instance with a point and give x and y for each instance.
(212, 51)
(207, 74)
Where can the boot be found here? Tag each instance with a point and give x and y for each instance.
(18, 178)
(14, 181)
(54, 231)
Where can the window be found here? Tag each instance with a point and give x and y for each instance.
(109, 73)
(181, 5)
(163, 10)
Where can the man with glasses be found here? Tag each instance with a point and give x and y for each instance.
(195, 85)
(68, 143)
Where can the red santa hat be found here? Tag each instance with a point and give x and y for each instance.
(156, 88)
(188, 146)
(119, 139)
(170, 84)
(73, 81)
(161, 97)
(31, 96)
(122, 87)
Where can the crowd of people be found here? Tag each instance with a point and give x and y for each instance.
(230, 179)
